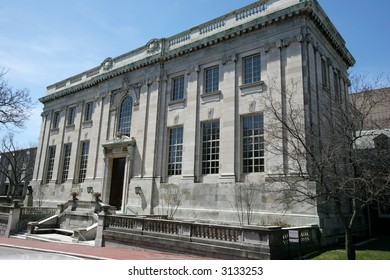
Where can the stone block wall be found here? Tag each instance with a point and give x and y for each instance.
(3, 225)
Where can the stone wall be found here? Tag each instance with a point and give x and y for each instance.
(3, 224)
(221, 241)
(4, 217)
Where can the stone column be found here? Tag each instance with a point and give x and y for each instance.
(105, 180)
(13, 218)
(128, 174)
(99, 240)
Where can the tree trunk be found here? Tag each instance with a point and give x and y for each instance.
(349, 247)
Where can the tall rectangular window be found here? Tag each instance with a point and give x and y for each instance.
(253, 144)
(65, 165)
(336, 87)
(178, 88)
(50, 163)
(210, 147)
(324, 70)
(212, 79)
(56, 120)
(83, 161)
(88, 111)
(71, 116)
(252, 69)
(175, 151)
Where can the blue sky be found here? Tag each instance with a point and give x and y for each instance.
(45, 41)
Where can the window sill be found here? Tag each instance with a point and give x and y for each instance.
(252, 88)
(176, 104)
(87, 124)
(69, 127)
(209, 178)
(54, 131)
(211, 96)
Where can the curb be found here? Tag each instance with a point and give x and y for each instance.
(90, 257)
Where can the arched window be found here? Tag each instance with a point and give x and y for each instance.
(125, 113)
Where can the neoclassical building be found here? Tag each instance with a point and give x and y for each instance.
(180, 122)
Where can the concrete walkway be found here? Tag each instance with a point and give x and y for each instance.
(95, 253)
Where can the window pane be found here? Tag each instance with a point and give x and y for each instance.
(253, 144)
(83, 161)
(50, 163)
(56, 120)
(178, 88)
(88, 111)
(175, 150)
(210, 151)
(125, 115)
(65, 167)
(71, 116)
(212, 79)
(252, 69)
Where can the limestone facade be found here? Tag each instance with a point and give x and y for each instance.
(188, 111)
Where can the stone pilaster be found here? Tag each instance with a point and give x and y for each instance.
(190, 125)
(228, 122)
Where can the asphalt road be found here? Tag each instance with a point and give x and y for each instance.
(9, 253)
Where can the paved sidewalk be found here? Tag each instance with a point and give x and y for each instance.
(97, 252)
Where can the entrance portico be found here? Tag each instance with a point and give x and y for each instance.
(118, 166)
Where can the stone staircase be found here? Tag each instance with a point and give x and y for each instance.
(75, 222)
(20, 234)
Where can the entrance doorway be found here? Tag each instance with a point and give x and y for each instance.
(116, 190)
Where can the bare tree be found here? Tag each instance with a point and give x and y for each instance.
(244, 197)
(16, 165)
(171, 198)
(15, 105)
(41, 193)
(321, 164)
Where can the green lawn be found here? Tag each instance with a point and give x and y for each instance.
(378, 249)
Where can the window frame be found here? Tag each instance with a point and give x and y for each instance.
(177, 92)
(252, 80)
(71, 117)
(325, 73)
(130, 116)
(175, 148)
(88, 111)
(213, 85)
(210, 147)
(56, 120)
(83, 161)
(51, 156)
(66, 162)
(250, 162)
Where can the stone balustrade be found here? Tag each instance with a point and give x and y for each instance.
(179, 39)
(228, 241)
(33, 214)
(5, 209)
(38, 211)
(251, 10)
(214, 25)
(200, 32)
(15, 217)
(4, 217)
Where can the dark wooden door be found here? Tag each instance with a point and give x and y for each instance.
(116, 191)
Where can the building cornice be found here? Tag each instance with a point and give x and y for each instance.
(229, 26)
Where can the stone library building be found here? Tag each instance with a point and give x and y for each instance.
(180, 124)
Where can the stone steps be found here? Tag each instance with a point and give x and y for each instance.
(20, 234)
(55, 237)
